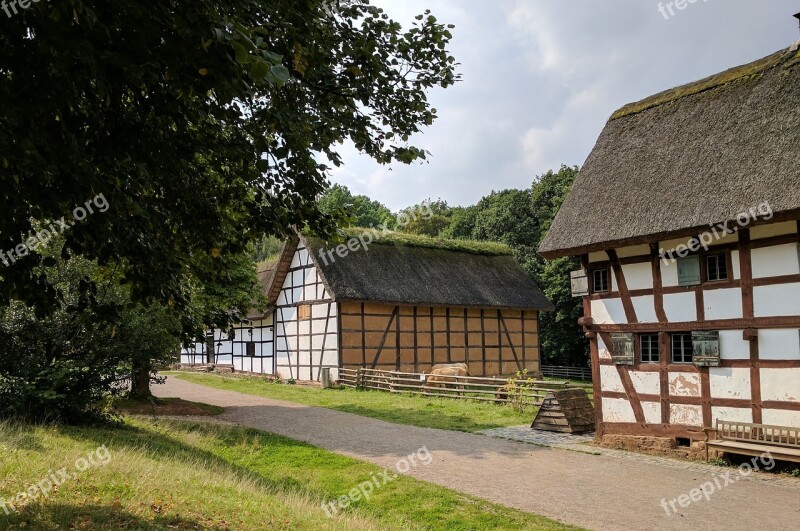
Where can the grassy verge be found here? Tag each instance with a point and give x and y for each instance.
(181, 475)
(426, 412)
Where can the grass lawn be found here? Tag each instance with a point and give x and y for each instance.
(426, 412)
(179, 475)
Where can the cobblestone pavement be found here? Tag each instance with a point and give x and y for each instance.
(583, 443)
(587, 490)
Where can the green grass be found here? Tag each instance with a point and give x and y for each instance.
(180, 475)
(425, 412)
(479, 247)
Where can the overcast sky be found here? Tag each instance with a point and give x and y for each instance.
(541, 78)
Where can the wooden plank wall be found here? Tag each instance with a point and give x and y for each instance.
(413, 338)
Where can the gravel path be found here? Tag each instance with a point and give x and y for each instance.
(591, 491)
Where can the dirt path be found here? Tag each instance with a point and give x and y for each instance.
(592, 491)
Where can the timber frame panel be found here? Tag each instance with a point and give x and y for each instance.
(492, 342)
(627, 403)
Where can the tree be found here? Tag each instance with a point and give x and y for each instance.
(428, 218)
(204, 124)
(521, 219)
(357, 210)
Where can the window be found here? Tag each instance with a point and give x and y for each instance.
(648, 348)
(716, 267)
(682, 348)
(689, 271)
(600, 281)
(251, 349)
(304, 312)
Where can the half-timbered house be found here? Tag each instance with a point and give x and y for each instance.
(685, 217)
(396, 303)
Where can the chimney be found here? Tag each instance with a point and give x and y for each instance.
(796, 45)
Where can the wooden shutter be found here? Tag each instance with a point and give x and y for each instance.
(622, 351)
(580, 283)
(706, 349)
(689, 271)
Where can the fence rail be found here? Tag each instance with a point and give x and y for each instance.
(570, 373)
(498, 390)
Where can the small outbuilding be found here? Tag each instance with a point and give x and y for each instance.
(392, 302)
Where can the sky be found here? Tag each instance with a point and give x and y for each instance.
(542, 77)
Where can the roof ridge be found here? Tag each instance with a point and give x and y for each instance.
(759, 66)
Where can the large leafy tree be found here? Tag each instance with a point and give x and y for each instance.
(204, 124)
(357, 210)
(521, 219)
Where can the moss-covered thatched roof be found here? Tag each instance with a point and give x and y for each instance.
(406, 269)
(688, 157)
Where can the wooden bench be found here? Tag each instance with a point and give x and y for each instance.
(782, 442)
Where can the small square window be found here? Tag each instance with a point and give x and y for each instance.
(648, 348)
(682, 347)
(304, 312)
(251, 349)
(716, 267)
(600, 281)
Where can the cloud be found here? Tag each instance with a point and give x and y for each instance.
(541, 78)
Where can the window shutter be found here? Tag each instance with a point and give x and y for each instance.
(622, 349)
(580, 283)
(689, 271)
(706, 349)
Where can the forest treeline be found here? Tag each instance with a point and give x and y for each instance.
(518, 218)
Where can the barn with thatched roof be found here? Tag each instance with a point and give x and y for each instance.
(685, 216)
(393, 302)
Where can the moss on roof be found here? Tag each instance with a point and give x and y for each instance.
(787, 58)
(414, 240)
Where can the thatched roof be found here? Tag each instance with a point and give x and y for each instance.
(422, 271)
(266, 276)
(686, 158)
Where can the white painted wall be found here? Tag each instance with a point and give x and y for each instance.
(617, 410)
(777, 301)
(723, 303)
(686, 415)
(608, 311)
(680, 307)
(731, 414)
(652, 412)
(727, 382)
(778, 417)
(646, 383)
(732, 345)
(781, 385)
(645, 308)
(610, 380)
(638, 276)
(775, 261)
(779, 344)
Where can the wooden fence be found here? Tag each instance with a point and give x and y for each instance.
(497, 390)
(569, 373)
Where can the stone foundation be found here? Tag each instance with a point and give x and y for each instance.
(660, 446)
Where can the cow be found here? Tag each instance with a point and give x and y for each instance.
(445, 373)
